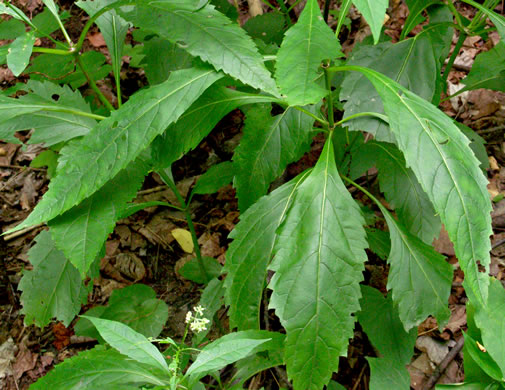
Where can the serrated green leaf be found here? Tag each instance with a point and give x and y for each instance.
(490, 319)
(420, 277)
(129, 343)
(399, 62)
(268, 27)
(379, 242)
(86, 165)
(135, 306)
(211, 300)
(374, 12)
(318, 263)
(48, 159)
(20, 52)
(230, 348)
(197, 122)
(208, 34)
(416, 8)
(380, 321)
(215, 178)
(250, 252)
(62, 68)
(477, 144)
(98, 368)
(470, 386)
(268, 145)
(162, 57)
(313, 41)
(449, 173)
(57, 114)
(82, 231)
(404, 193)
(113, 28)
(53, 289)
(488, 70)
(498, 20)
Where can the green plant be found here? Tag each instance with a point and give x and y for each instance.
(310, 232)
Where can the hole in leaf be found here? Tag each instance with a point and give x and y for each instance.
(55, 97)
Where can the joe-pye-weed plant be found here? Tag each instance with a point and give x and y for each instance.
(298, 250)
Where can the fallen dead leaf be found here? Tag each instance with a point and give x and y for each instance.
(7, 356)
(458, 318)
(184, 239)
(436, 350)
(25, 361)
(61, 336)
(96, 40)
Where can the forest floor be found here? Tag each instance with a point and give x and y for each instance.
(142, 248)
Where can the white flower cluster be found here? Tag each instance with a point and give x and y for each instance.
(197, 323)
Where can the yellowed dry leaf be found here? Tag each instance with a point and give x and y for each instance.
(183, 237)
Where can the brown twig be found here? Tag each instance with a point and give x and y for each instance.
(9, 166)
(444, 364)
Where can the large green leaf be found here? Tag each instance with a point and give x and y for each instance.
(420, 277)
(57, 114)
(53, 289)
(62, 69)
(374, 12)
(268, 145)
(449, 173)
(305, 46)
(87, 165)
(113, 28)
(491, 321)
(19, 53)
(205, 33)
(318, 264)
(198, 121)
(414, 63)
(250, 252)
(135, 306)
(488, 70)
(216, 177)
(99, 369)
(230, 348)
(404, 193)
(380, 321)
(82, 231)
(129, 343)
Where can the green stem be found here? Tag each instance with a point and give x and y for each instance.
(92, 84)
(456, 14)
(75, 112)
(344, 9)
(118, 92)
(326, 11)
(168, 180)
(65, 33)
(329, 100)
(293, 6)
(53, 51)
(457, 48)
(366, 192)
(320, 120)
(285, 11)
(360, 114)
(266, 2)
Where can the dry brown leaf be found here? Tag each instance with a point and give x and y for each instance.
(96, 40)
